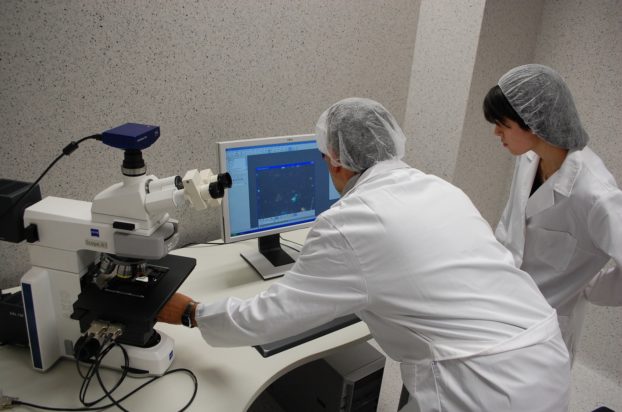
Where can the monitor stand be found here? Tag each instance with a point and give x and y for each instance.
(270, 260)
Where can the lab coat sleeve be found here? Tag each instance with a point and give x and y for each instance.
(510, 229)
(501, 231)
(324, 283)
(605, 227)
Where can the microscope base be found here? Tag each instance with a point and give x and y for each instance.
(58, 311)
(143, 361)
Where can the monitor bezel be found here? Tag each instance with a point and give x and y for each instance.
(222, 160)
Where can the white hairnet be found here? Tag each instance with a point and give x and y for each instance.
(541, 98)
(357, 133)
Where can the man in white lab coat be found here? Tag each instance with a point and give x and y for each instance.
(412, 257)
(563, 219)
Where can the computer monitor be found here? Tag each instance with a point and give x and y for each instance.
(279, 184)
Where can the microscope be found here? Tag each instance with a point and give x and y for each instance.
(101, 270)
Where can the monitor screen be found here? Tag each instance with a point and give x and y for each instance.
(279, 184)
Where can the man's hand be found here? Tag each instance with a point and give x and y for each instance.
(174, 308)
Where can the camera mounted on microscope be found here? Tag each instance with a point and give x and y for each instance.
(132, 138)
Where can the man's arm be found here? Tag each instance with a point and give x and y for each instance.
(175, 308)
(325, 283)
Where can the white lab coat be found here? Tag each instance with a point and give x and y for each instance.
(565, 233)
(412, 257)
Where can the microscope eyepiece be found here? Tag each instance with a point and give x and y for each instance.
(216, 190)
(225, 180)
(179, 183)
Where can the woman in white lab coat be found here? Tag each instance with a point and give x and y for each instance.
(563, 219)
(412, 257)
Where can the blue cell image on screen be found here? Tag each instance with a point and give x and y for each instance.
(285, 193)
(275, 185)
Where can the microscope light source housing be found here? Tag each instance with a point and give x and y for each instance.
(15, 197)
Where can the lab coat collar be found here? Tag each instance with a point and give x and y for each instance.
(568, 173)
(369, 174)
(351, 183)
(542, 199)
(561, 182)
(531, 206)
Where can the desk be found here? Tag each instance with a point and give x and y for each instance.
(230, 379)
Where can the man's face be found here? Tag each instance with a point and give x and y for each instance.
(517, 140)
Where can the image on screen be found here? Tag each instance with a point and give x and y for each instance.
(285, 193)
(279, 184)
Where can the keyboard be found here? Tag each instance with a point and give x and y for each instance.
(272, 348)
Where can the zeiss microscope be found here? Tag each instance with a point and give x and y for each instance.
(101, 270)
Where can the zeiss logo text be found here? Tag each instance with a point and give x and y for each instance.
(96, 243)
(95, 232)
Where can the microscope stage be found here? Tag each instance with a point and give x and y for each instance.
(134, 304)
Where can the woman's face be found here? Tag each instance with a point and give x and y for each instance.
(517, 140)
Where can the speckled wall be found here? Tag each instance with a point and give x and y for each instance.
(459, 53)
(483, 166)
(204, 71)
(445, 49)
(583, 41)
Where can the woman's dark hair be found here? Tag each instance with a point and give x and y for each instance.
(497, 109)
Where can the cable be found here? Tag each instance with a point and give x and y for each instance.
(155, 378)
(108, 394)
(67, 150)
(51, 408)
(94, 371)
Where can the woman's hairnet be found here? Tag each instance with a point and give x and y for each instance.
(541, 98)
(357, 133)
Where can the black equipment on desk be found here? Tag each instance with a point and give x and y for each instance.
(15, 197)
(13, 330)
(346, 381)
(272, 348)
